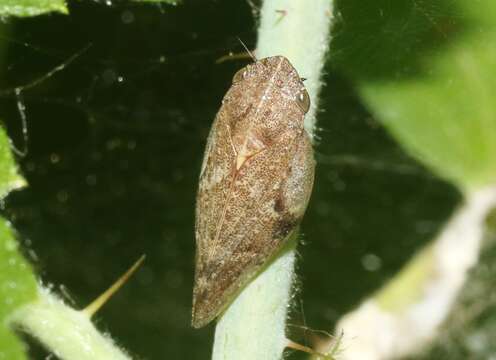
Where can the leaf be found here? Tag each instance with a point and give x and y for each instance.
(23, 8)
(31, 7)
(17, 281)
(10, 347)
(17, 287)
(9, 177)
(429, 78)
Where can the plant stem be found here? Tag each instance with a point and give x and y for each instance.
(298, 30)
(68, 333)
(406, 314)
(254, 325)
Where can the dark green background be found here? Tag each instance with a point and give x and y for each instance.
(113, 166)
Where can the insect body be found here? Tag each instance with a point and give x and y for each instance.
(255, 182)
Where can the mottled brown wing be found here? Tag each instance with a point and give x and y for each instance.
(215, 179)
(229, 258)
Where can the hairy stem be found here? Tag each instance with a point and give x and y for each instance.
(253, 327)
(68, 333)
(298, 30)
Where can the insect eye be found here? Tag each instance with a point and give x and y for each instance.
(240, 75)
(303, 100)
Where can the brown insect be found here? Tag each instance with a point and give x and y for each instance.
(255, 182)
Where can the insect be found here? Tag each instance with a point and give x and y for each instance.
(255, 182)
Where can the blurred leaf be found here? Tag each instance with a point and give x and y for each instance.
(10, 347)
(405, 288)
(9, 177)
(17, 287)
(429, 78)
(31, 7)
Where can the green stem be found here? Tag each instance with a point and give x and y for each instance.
(68, 333)
(254, 325)
(298, 30)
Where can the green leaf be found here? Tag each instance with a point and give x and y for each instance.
(17, 287)
(10, 347)
(9, 177)
(429, 78)
(17, 281)
(31, 7)
(23, 8)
